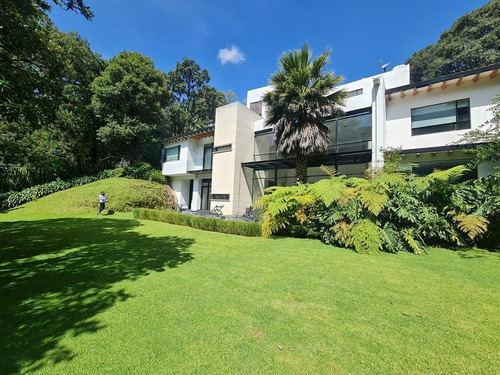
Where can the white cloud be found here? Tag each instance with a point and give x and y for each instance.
(232, 55)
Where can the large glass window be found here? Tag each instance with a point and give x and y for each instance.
(286, 177)
(264, 147)
(172, 153)
(352, 133)
(441, 117)
(262, 180)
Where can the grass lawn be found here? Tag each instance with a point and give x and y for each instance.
(82, 294)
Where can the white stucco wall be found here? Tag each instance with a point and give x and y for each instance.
(177, 167)
(399, 76)
(398, 118)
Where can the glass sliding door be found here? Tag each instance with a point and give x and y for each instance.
(206, 189)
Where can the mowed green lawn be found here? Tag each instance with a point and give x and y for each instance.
(82, 294)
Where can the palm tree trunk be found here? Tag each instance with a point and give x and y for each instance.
(301, 169)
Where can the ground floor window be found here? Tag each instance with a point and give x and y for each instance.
(427, 167)
(263, 179)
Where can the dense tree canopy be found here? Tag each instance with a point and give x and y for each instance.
(65, 111)
(303, 96)
(473, 41)
(131, 97)
(194, 100)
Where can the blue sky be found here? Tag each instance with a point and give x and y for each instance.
(360, 33)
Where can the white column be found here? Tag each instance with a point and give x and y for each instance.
(196, 201)
(378, 122)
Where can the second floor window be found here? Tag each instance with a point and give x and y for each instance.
(441, 117)
(207, 156)
(172, 153)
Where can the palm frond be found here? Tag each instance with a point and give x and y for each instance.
(414, 241)
(373, 201)
(448, 174)
(472, 225)
(328, 190)
(342, 231)
(366, 237)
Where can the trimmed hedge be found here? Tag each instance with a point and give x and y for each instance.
(16, 198)
(241, 228)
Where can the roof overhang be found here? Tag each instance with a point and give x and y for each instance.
(457, 79)
(196, 134)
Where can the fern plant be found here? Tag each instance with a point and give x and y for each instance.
(392, 211)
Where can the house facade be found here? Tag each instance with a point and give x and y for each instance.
(231, 162)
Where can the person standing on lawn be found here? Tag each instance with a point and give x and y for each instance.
(102, 202)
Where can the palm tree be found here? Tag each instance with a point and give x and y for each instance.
(303, 96)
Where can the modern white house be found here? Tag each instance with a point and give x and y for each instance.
(231, 162)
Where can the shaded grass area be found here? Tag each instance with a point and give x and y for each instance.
(57, 274)
(117, 295)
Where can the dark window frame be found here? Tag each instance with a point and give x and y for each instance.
(224, 148)
(219, 197)
(171, 148)
(256, 107)
(206, 147)
(445, 127)
(355, 92)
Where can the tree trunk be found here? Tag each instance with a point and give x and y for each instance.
(301, 169)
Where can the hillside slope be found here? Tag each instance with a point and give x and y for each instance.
(123, 194)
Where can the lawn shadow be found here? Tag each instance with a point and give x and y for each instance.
(466, 253)
(57, 275)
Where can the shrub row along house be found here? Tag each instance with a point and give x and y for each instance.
(231, 162)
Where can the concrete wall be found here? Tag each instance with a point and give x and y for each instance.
(234, 125)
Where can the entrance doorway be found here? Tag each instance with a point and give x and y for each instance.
(191, 185)
(206, 189)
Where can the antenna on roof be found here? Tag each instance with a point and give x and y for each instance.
(384, 66)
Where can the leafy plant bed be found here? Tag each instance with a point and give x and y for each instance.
(204, 223)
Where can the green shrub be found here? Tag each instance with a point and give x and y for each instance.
(204, 223)
(157, 176)
(16, 198)
(390, 212)
(139, 170)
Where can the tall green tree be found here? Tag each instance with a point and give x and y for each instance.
(131, 97)
(75, 117)
(194, 99)
(32, 67)
(472, 41)
(304, 94)
(29, 64)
